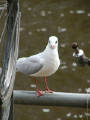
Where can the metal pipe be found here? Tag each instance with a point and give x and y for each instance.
(52, 99)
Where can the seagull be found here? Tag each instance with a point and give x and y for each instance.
(43, 64)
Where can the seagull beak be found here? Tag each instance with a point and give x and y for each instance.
(52, 46)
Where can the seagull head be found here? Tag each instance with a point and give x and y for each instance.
(53, 42)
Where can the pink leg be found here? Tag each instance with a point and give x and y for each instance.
(38, 92)
(46, 86)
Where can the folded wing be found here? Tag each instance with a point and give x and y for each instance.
(29, 65)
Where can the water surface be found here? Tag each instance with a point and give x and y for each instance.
(69, 20)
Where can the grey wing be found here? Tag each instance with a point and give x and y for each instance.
(28, 65)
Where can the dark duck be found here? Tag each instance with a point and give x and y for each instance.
(79, 55)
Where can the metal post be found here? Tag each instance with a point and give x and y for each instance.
(9, 63)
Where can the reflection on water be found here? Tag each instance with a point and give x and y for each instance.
(45, 110)
(33, 86)
(70, 21)
(80, 11)
(88, 14)
(68, 114)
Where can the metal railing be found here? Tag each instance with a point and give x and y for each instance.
(7, 76)
(52, 99)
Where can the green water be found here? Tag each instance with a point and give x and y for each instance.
(69, 20)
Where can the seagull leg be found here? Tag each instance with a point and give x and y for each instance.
(46, 86)
(38, 92)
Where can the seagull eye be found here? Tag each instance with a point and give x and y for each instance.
(56, 42)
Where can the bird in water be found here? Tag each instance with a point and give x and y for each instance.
(79, 55)
(43, 64)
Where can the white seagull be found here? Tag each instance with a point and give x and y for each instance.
(42, 64)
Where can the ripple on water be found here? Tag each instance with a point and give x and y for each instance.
(74, 64)
(62, 14)
(21, 29)
(81, 116)
(89, 14)
(49, 12)
(73, 69)
(41, 29)
(59, 119)
(82, 43)
(63, 67)
(29, 33)
(87, 114)
(29, 9)
(71, 12)
(75, 116)
(43, 13)
(87, 90)
(80, 11)
(61, 29)
(63, 45)
(33, 86)
(88, 81)
(46, 110)
(79, 89)
(63, 62)
(68, 114)
(38, 30)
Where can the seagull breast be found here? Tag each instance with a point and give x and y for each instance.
(51, 63)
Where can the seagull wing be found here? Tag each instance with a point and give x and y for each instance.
(29, 65)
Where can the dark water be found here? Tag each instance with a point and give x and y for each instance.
(69, 20)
